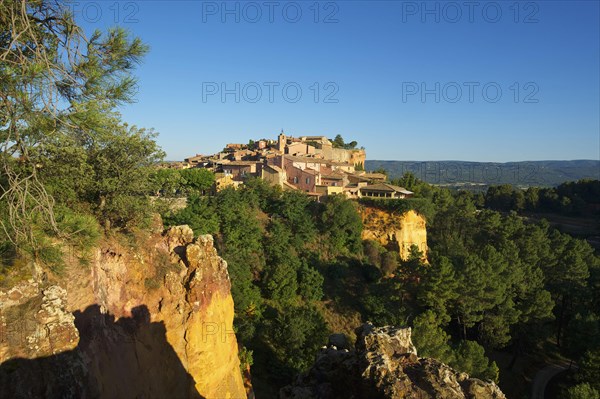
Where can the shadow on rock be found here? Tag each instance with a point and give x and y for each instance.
(126, 358)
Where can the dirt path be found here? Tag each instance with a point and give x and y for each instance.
(543, 377)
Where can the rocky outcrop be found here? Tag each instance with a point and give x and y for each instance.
(150, 322)
(395, 231)
(384, 364)
(34, 322)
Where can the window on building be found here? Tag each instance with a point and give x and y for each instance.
(308, 180)
(295, 179)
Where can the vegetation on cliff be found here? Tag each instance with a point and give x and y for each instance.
(69, 165)
(66, 154)
(274, 243)
(338, 142)
(492, 282)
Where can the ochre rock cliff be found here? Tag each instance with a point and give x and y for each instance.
(150, 322)
(384, 364)
(395, 231)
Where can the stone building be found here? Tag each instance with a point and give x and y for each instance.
(274, 175)
(239, 170)
(384, 190)
(307, 163)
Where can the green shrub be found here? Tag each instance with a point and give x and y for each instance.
(80, 231)
(295, 336)
(246, 359)
(582, 391)
(52, 256)
(470, 358)
(310, 283)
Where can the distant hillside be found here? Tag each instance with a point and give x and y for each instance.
(481, 174)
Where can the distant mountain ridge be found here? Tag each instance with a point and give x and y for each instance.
(465, 173)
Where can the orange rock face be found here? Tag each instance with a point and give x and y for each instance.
(398, 232)
(155, 321)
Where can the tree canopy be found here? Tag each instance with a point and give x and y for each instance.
(66, 153)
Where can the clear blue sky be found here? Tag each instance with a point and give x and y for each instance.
(375, 58)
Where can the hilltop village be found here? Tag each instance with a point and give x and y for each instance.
(313, 164)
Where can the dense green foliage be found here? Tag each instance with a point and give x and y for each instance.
(295, 335)
(582, 391)
(571, 198)
(177, 182)
(199, 214)
(66, 154)
(490, 281)
(338, 142)
(270, 240)
(108, 176)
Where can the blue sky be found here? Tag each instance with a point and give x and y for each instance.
(479, 81)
